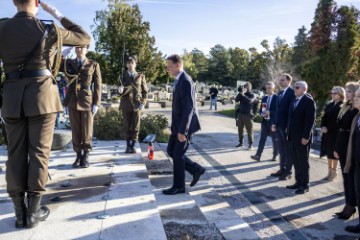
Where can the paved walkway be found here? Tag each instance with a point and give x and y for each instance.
(119, 196)
(113, 199)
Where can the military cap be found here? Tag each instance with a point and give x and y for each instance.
(131, 59)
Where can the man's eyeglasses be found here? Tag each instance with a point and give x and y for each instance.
(333, 93)
(297, 87)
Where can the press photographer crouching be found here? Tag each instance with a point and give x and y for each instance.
(245, 113)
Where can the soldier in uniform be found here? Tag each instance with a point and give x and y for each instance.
(133, 90)
(29, 50)
(83, 99)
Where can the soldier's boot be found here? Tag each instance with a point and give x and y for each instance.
(84, 163)
(128, 146)
(20, 209)
(133, 150)
(76, 164)
(35, 212)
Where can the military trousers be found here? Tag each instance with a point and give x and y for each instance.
(81, 129)
(29, 146)
(245, 120)
(131, 121)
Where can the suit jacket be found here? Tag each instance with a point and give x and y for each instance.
(272, 108)
(185, 115)
(301, 119)
(135, 91)
(33, 96)
(282, 111)
(85, 90)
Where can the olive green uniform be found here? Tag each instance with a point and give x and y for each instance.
(134, 94)
(83, 92)
(30, 104)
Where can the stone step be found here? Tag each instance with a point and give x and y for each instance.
(112, 199)
(201, 208)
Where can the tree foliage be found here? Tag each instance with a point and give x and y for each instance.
(120, 32)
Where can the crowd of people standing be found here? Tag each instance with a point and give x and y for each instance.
(289, 118)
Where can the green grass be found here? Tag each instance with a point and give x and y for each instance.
(228, 112)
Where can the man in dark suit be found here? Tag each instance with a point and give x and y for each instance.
(285, 97)
(302, 113)
(185, 122)
(267, 111)
(31, 101)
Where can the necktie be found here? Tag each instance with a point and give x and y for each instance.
(281, 95)
(79, 65)
(358, 122)
(268, 102)
(295, 103)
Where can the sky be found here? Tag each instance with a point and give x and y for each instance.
(187, 24)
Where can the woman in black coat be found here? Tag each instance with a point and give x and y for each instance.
(329, 129)
(345, 118)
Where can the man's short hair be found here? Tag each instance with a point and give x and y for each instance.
(287, 76)
(302, 84)
(271, 83)
(175, 59)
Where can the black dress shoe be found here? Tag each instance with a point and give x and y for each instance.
(294, 186)
(285, 177)
(173, 191)
(239, 145)
(196, 177)
(277, 174)
(256, 157)
(353, 229)
(302, 190)
(274, 158)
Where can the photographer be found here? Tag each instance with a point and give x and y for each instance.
(245, 113)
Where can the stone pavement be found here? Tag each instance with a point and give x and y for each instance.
(119, 196)
(113, 199)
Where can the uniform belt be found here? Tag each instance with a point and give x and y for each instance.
(28, 74)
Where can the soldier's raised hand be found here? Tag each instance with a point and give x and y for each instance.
(52, 10)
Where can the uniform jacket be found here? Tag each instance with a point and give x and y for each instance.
(272, 108)
(185, 115)
(18, 36)
(135, 92)
(85, 90)
(282, 111)
(301, 119)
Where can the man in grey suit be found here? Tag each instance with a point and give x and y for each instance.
(185, 122)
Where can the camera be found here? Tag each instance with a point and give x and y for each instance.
(241, 88)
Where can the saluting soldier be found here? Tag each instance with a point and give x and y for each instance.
(30, 51)
(133, 90)
(83, 99)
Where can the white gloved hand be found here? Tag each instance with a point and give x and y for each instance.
(94, 110)
(0, 113)
(52, 10)
(66, 51)
(141, 106)
(121, 89)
